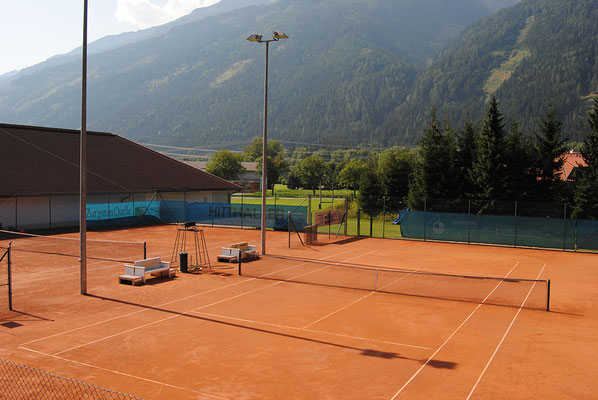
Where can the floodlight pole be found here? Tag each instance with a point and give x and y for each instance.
(265, 154)
(83, 162)
(258, 38)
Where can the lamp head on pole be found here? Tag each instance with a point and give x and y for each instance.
(279, 35)
(255, 38)
(276, 36)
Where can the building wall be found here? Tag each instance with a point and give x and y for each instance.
(52, 212)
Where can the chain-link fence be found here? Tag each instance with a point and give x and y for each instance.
(53, 213)
(506, 223)
(22, 382)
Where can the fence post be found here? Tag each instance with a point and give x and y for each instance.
(346, 213)
(309, 216)
(329, 223)
(185, 204)
(289, 226)
(565, 227)
(371, 226)
(16, 212)
(469, 221)
(358, 221)
(320, 203)
(50, 212)
(383, 216)
(515, 238)
(425, 216)
(242, 204)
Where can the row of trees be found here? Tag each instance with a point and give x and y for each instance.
(481, 160)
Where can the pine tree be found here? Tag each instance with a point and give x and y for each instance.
(370, 197)
(520, 165)
(549, 156)
(586, 193)
(394, 168)
(435, 174)
(466, 153)
(489, 167)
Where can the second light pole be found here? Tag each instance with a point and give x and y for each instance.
(277, 35)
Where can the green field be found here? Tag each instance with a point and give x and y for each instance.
(381, 225)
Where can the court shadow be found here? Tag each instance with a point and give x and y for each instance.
(21, 316)
(442, 364)
(340, 241)
(362, 351)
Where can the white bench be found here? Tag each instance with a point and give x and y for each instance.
(155, 266)
(236, 250)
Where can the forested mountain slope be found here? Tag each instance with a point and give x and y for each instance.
(529, 55)
(347, 65)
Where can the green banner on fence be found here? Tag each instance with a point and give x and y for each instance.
(551, 233)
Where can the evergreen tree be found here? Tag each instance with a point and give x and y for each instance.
(466, 153)
(549, 152)
(489, 167)
(435, 174)
(394, 169)
(520, 165)
(370, 198)
(586, 194)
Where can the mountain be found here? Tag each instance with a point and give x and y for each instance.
(529, 55)
(113, 41)
(341, 78)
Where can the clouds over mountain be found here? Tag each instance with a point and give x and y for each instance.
(146, 13)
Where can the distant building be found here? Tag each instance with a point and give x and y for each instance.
(39, 183)
(250, 180)
(572, 162)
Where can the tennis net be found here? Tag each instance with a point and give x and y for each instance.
(531, 293)
(110, 250)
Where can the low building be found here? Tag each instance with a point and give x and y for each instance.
(250, 180)
(126, 182)
(572, 162)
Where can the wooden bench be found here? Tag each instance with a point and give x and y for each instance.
(154, 266)
(236, 250)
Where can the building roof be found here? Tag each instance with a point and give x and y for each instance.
(42, 161)
(571, 161)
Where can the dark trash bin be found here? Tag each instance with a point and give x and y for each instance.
(183, 264)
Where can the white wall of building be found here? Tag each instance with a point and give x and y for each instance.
(45, 212)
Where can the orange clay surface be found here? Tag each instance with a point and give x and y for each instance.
(222, 336)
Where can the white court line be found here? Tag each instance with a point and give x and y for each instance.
(294, 328)
(127, 375)
(114, 264)
(170, 317)
(356, 301)
(504, 336)
(451, 336)
(160, 305)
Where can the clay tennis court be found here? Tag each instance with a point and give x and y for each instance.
(219, 335)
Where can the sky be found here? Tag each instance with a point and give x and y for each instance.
(34, 30)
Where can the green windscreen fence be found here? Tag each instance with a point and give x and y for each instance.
(500, 223)
(217, 214)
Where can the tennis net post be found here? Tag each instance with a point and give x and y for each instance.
(8, 283)
(548, 296)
